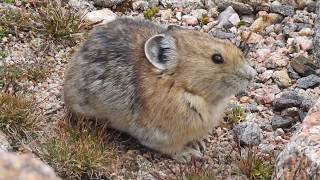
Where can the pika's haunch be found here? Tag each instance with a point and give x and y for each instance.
(165, 86)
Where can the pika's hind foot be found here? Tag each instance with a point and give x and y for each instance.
(198, 145)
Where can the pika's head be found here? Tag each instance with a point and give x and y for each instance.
(202, 64)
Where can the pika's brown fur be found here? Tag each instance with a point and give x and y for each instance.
(158, 84)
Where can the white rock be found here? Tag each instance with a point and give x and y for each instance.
(104, 15)
(179, 15)
(190, 20)
(304, 42)
(140, 5)
(234, 19)
(224, 16)
(198, 13)
(166, 14)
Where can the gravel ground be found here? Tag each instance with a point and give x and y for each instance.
(276, 102)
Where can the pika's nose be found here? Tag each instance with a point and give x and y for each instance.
(248, 72)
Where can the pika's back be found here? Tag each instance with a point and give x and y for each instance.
(104, 72)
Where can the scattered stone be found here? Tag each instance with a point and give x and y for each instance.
(310, 81)
(153, 3)
(82, 5)
(290, 112)
(248, 133)
(166, 14)
(181, 3)
(264, 20)
(304, 66)
(107, 3)
(285, 10)
(234, 19)
(263, 96)
(306, 32)
(307, 104)
(219, 33)
(13, 166)
(304, 42)
(4, 143)
(287, 100)
(300, 158)
(265, 76)
(266, 148)
(140, 5)
(179, 16)
(224, 18)
(198, 13)
(279, 122)
(279, 132)
(103, 15)
(239, 7)
(282, 78)
(190, 20)
(253, 39)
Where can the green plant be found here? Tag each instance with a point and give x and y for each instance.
(150, 12)
(3, 54)
(236, 115)
(17, 120)
(2, 32)
(204, 20)
(241, 23)
(254, 167)
(59, 22)
(78, 152)
(8, 1)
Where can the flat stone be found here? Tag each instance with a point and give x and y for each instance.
(280, 122)
(103, 16)
(239, 7)
(285, 10)
(310, 81)
(303, 66)
(287, 100)
(282, 78)
(248, 133)
(219, 33)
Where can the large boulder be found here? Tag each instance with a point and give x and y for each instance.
(301, 157)
(22, 167)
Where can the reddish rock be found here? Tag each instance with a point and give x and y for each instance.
(301, 157)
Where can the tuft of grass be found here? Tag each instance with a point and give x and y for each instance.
(59, 21)
(3, 54)
(204, 19)
(150, 12)
(8, 1)
(78, 152)
(2, 32)
(17, 120)
(35, 72)
(236, 115)
(241, 23)
(13, 20)
(194, 171)
(254, 167)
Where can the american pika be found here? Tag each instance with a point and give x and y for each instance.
(165, 86)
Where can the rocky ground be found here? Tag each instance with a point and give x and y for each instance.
(277, 37)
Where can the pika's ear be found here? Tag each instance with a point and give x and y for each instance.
(161, 52)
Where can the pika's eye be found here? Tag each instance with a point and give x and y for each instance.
(217, 58)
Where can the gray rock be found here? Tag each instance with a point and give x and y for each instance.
(193, 4)
(248, 133)
(303, 66)
(82, 5)
(307, 103)
(14, 166)
(252, 107)
(316, 39)
(140, 5)
(285, 10)
(239, 7)
(107, 3)
(290, 112)
(280, 122)
(223, 18)
(4, 143)
(219, 33)
(300, 159)
(293, 74)
(153, 3)
(310, 81)
(287, 100)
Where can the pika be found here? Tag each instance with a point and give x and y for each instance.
(166, 86)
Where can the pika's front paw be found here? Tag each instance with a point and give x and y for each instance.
(194, 149)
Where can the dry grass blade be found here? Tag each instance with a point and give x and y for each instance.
(79, 152)
(16, 117)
